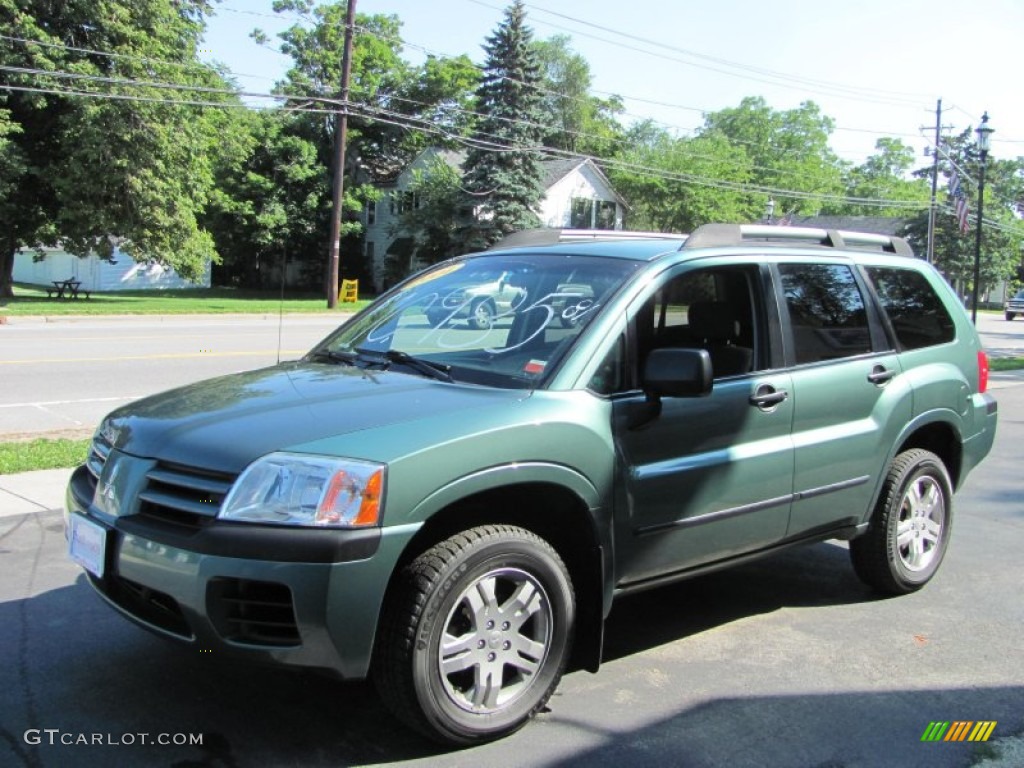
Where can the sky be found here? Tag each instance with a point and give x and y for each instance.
(877, 67)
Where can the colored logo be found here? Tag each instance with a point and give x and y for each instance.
(959, 730)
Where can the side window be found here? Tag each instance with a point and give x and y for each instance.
(712, 309)
(611, 376)
(826, 312)
(918, 316)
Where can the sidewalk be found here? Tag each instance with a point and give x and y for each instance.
(33, 491)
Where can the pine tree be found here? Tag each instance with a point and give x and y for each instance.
(503, 178)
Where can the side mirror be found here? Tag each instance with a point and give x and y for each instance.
(674, 372)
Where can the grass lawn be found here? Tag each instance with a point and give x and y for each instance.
(42, 453)
(32, 300)
(1005, 363)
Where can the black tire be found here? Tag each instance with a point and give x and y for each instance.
(498, 669)
(910, 528)
(1010, 315)
(482, 315)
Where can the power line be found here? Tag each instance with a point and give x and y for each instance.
(397, 119)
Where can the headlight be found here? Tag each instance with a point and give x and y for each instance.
(317, 491)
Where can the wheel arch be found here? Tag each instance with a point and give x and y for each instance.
(565, 515)
(942, 438)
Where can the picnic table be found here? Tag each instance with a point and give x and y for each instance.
(66, 289)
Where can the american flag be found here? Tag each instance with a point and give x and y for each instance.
(956, 191)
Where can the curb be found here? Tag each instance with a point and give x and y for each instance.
(192, 317)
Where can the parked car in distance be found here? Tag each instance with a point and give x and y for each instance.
(450, 504)
(478, 303)
(1014, 306)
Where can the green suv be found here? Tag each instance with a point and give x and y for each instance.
(451, 508)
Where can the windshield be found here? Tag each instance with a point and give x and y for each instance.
(502, 320)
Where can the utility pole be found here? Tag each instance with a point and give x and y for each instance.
(340, 135)
(930, 251)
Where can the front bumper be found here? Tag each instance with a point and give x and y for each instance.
(298, 597)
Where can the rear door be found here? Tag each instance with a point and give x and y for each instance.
(846, 388)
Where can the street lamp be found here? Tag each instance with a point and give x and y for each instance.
(984, 132)
(769, 211)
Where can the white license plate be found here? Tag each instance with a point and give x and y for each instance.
(87, 544)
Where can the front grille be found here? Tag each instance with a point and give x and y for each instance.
(184, 498)
(253, 612)
(99, 450)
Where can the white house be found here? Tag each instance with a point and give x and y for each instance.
(577, 195)
(122, 273)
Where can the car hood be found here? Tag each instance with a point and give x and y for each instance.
(223, 424)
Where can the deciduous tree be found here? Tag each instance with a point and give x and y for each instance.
(112, 141)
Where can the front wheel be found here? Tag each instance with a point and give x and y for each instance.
(1010, 315)
(475, 635)
(482, 315)
(909, 532)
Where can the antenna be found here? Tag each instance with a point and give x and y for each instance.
(280, 311)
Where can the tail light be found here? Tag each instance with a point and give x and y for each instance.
(982, 372)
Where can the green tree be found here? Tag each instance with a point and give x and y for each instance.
(676, 184)
(503, 181)
(388, 97)
(116, 155)
(581, 123)
(431, 224)
(1003, 234)
(884, 176)
(787, 150)
(271, 205)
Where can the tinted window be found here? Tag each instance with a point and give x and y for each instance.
(917, 313)
(826, 312)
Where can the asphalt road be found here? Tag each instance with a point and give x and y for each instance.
(66, 375)
(788, 662)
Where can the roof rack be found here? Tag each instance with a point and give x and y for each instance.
(555, 235)
(717, 235)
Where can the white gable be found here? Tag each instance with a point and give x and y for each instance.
(584, 182)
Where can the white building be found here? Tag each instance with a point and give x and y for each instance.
(122, 273)
(577, 195)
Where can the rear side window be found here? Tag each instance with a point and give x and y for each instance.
(826, 312)
(918, 316)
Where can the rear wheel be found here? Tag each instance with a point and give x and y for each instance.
(475, 635)
(910, 528)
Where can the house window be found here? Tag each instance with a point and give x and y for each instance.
(371, 213)
(591, 214)
(605, 215)
(404, 201)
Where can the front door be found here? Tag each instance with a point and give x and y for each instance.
(708, 477)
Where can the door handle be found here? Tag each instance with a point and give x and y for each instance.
(766, 397)
(880, 375)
